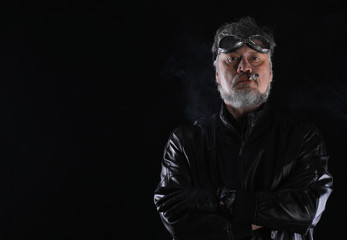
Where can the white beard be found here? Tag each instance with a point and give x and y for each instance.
(244, 98)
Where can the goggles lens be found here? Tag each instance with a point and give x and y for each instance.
(232, 43)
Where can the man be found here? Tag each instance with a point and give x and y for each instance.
(246, 172)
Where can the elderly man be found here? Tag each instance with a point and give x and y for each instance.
(246, 172)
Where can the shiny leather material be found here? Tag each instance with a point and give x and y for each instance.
(281, 177)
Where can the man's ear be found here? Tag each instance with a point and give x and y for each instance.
(271, 75)
(217, 78)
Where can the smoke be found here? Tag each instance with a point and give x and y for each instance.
(190, 63)
(323, 101)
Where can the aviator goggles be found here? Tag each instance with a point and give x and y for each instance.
(231, 43)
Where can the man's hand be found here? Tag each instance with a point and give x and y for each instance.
(255, 227)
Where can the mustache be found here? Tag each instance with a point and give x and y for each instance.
(245, 76)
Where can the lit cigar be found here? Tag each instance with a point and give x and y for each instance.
(253, 77)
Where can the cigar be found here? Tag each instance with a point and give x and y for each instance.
(253, 77)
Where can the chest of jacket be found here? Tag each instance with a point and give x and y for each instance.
(258, 159)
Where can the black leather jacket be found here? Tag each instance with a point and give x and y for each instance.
(277, 164)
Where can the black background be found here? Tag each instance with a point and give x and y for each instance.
(90, 91)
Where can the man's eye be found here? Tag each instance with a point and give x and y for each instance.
(232, 59)
(255, 59)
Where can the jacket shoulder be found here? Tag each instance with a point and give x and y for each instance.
(192, 131)
(299, 125)
(291, 120)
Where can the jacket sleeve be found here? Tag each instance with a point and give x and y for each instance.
(297, 204)
(187, 211)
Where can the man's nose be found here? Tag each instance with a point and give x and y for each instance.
(244, 66)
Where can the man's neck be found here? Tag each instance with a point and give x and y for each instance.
(239, 113)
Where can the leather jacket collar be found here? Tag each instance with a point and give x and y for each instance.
(251, 119)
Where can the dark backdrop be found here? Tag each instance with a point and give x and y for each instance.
(90, 91)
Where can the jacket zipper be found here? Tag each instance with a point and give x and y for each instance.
(231, 236)
(244, 139)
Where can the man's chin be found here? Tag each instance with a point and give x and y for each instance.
(246, 91)
(244, 98)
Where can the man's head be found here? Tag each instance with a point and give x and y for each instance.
(241, 49)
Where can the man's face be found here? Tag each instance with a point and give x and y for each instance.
(233, 70)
